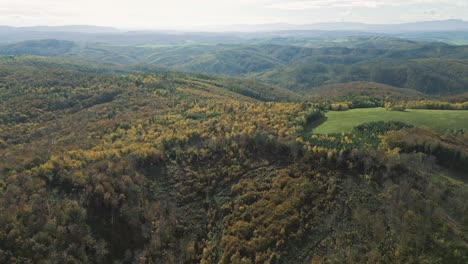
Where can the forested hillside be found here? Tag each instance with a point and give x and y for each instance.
(435, 69)
(112, 164)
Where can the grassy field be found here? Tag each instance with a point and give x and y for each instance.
(338, 122)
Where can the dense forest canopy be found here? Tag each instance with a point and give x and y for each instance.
(208, 153)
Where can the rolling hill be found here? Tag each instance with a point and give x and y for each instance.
(101, 164)
(434, 69)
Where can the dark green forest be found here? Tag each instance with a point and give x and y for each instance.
(206, 153)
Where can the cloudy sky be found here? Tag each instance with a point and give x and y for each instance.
(157, 14)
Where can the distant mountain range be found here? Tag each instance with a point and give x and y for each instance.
(425, 26)
(445, 30)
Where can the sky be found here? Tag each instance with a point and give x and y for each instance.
(186, 14)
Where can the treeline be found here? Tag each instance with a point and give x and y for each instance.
(426, 104)
(349, 102)
(343, 104)
(439, 105)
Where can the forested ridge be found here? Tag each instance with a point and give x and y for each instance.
(432, 68)
(109, 164)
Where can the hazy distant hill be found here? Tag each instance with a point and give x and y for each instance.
(8, 34)
(425, 26)
(445, 30)
(39, 48)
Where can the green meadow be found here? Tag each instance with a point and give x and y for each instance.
(344, 121)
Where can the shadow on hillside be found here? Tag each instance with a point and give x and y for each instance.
(309, 127)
